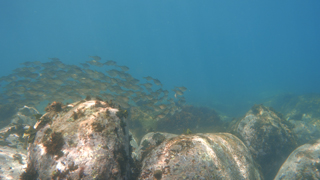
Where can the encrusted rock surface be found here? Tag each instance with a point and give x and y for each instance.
(12, 162)
(149, 142)
(13, 151)
(200, 156)
(303, 163)
(84, 140)
(267, 136)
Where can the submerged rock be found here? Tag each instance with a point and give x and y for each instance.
(303, 107)
(196, 119)
(305, 131)
(267, 136)
(84, 140)
(26, 115)
(13, 153)
(149, 142)
(200, 156)
(303, 163)
(12, 136)
(12, 162)
(302, 111)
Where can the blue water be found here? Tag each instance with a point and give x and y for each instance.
(230, 54)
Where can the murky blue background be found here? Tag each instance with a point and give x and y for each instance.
(230, 54)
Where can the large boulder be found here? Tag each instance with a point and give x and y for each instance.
(267, 136)
(200, 156)
(303, 163)
(84, 140)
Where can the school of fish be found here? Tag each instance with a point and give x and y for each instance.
(37, 82)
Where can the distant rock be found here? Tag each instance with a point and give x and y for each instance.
(196, 119)
(268, 137)
(293, 107)
(84, 140)
(199, 156)
(303, 163)
(26, 115)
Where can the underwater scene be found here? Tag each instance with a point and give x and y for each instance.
(156, 90)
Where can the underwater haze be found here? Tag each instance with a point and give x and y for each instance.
(229, 54)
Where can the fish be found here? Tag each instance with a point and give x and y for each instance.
(147, 85)
(148, 78)
(157, 82)
(85, 65)
(54, 59)
(28, 63)
(113, 72)
(95, 63)
(97, 58)
(56, 81)
(110, 63)
(182, 88)
(178, 92)
(163, 106)
(123, 68)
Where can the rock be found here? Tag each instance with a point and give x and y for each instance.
(267, 136)
(84, 140)
(25, 115)
(196, 119)
(303, 107)
(12, 162)
(302, 111)
(149, 142)
(303, 163)
(200, 156)
(12, 136)
(305, 131)
(13, 153)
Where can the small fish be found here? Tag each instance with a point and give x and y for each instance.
(160, 116)
(147, 85)
(54, 59)
(97, 58)
(157, 82)
(110, 63)
(178, 92)
(148, 78)
(163, 106)
(95, 63)
(85, 65)
(182, 88)
(113, 72)
(124, 68)
(28, 63)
